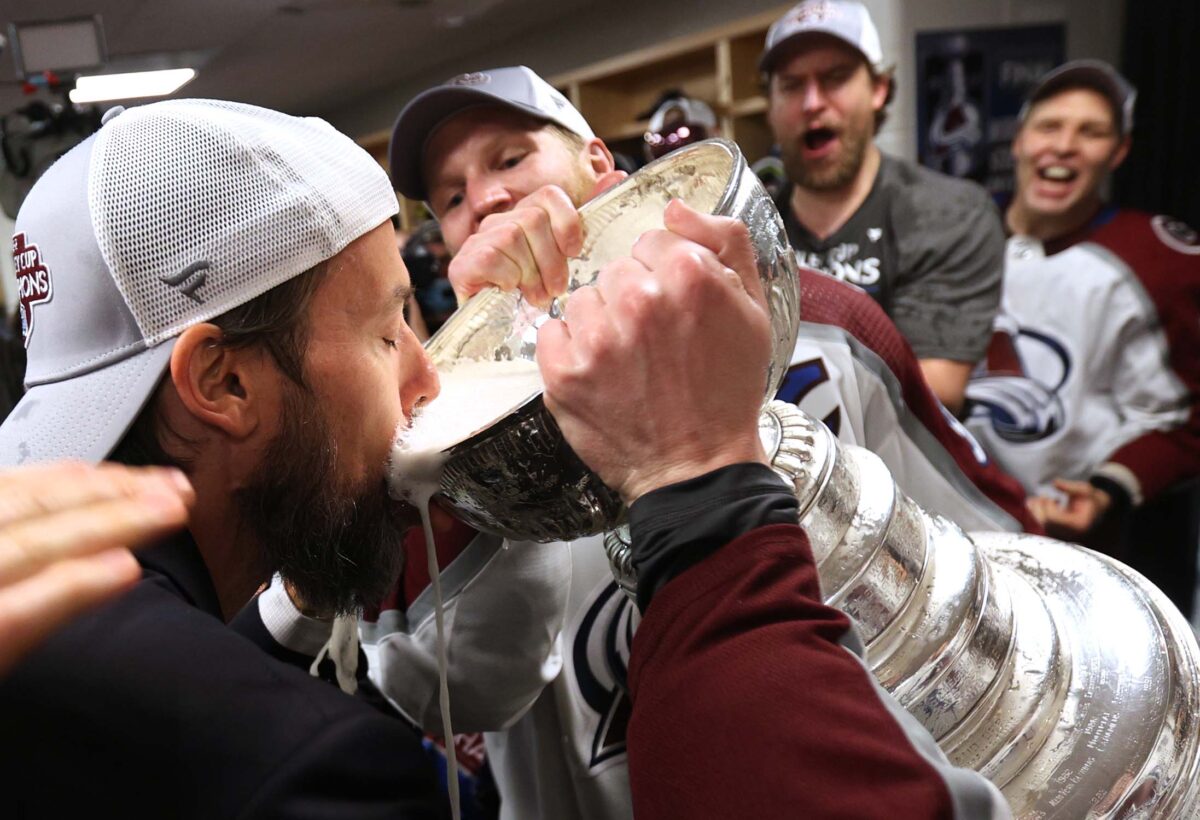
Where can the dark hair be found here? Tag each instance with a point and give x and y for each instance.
(272, 321)
(569, 137)
(882, 114)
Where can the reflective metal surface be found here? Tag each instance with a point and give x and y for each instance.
(1063, 676)
(518, 478)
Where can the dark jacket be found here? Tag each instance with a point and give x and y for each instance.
(152, 707)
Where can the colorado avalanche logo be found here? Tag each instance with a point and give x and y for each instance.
(34, 284)
(1176, 235)
(600, 657)
(800, 382)
(1020, 408)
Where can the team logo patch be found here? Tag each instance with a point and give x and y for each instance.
(34, 284)
(817, 13)
(471, 78)
(600, 663)
(1020, 408)
(1176, 234)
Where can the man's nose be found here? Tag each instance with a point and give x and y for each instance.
(1065, 141)
(812, 98)
(488, 198)
(422, 385)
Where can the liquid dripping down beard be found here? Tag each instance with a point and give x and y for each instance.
(341, 547)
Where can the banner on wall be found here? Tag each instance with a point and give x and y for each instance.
(970, 86)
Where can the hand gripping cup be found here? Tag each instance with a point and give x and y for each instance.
(517, 476)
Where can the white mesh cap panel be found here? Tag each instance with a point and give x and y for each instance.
(242, 196)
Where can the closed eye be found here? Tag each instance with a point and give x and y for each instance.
(512, 161)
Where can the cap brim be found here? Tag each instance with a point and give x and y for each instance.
(420, 118)
(1097, 76)
(85, 417)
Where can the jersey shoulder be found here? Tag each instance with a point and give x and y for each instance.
(1161, 250)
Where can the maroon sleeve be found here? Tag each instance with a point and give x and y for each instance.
(1164, 254)
(828, 301)
(745, 704)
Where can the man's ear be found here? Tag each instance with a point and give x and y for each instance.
(600, 160)
(1119, 155)
(881, 90)
(223, 387)
(598, 157)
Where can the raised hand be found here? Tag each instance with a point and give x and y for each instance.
(526, 247)
(65, 530)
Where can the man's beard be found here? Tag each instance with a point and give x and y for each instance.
(828, 177)
(339, 546)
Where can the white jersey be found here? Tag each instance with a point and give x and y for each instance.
(1086, 372)
(565, 759)
(503, 612)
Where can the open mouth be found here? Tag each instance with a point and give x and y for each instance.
(1057, 173)
(817, 138)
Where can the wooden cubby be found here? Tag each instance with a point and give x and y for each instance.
(719, 66)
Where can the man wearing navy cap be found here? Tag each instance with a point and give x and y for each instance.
(1089, 395)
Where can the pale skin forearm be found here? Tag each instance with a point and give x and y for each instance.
(947, 379)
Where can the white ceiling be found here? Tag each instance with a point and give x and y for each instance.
(300, 56)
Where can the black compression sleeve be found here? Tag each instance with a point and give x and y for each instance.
(674, 527)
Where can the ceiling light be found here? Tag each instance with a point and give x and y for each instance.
(101, 87)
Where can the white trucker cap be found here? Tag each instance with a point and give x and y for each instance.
(846, 20)
(515, 87)
(168, 216)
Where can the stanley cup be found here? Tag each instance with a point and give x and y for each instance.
(1060, 674)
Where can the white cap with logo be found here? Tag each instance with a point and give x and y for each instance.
(170, 215)
(847, 20)
(516, 87)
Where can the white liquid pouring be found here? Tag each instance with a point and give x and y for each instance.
(473, 395)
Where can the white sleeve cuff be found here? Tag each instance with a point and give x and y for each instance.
(1124, 476)
(291, 629)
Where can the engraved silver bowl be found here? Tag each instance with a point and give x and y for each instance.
(518, 477)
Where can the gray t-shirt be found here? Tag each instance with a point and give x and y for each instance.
(929, 248)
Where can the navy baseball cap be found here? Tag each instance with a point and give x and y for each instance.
(1094, 74)
(515, 87)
